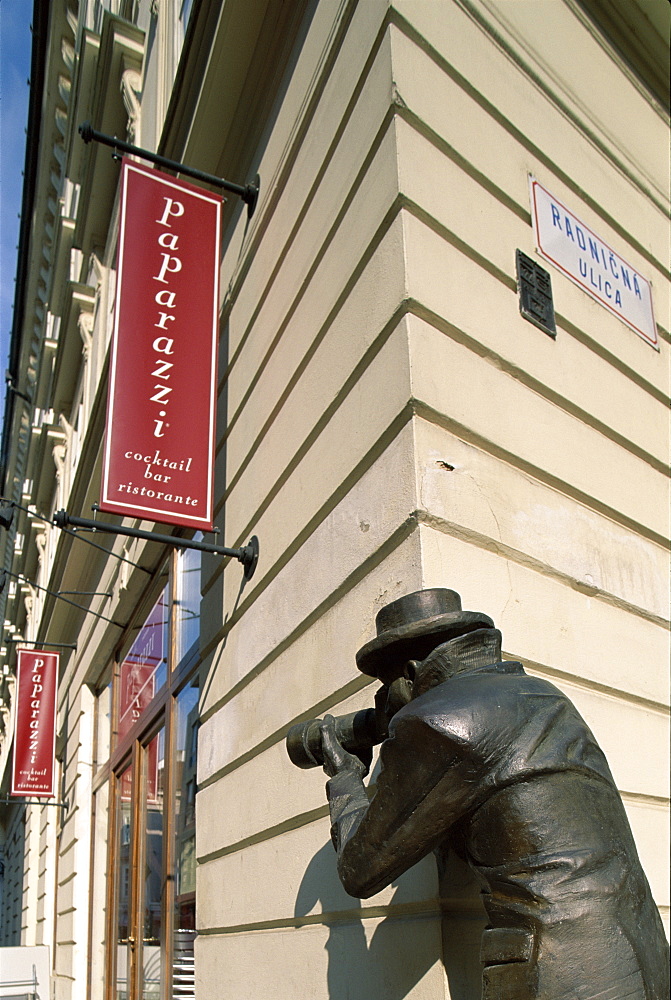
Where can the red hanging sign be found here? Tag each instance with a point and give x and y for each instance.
(34, 770)
(158, 460)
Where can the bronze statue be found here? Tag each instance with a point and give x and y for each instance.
(498, 766)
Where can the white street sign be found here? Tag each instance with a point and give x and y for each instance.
(587, 260)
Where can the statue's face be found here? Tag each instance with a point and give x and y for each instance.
(433, 666)
(404, 688)
(414, 677)
(429, 672)
(399, 693)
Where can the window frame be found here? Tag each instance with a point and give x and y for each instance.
(130, 751)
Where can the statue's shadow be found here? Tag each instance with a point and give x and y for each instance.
(385, 956)
(382, 957)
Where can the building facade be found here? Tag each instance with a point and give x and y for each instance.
(387, 420)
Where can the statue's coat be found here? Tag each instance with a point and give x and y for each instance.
(500, 766)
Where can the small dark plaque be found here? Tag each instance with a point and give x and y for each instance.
(535, 290)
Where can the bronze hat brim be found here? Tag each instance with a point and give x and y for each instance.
(391, 649)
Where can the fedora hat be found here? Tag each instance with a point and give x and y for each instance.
(410, 627)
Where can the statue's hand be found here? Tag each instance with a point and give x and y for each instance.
(336, 758)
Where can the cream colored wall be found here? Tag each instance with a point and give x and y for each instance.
(318, 461)
(49, 820)
(29, 901)
(74, 855)
(555, 515)
(371, 334)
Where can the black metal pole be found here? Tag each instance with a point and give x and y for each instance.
(86, 593)
(248, 555)
(6, 520)
(248, 192)
(36, 642)
(19, 801)
(23, 579)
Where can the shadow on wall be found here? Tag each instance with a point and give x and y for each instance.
(384, 959)
(463, 920)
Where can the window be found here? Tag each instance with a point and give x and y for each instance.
(186, 744)
(185, 14)
(143, 670)
(149, 737)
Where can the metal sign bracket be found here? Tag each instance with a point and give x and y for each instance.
(248, 192)
(20, 801)
(248, 555)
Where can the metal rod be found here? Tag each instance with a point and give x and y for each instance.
(53, 593)
(9, 799)
(73, 534)
(36, 642)
(248, 192)
(248, 555)
(17, 392)
(85, 593)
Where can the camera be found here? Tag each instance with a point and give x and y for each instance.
(355, 732)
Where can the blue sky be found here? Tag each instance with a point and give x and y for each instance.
(15, 45)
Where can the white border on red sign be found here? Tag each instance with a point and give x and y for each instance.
(216, 201)
(22, 793)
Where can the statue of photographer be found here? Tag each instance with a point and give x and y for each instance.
(499, 766)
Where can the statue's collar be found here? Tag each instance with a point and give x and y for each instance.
(472, 651)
